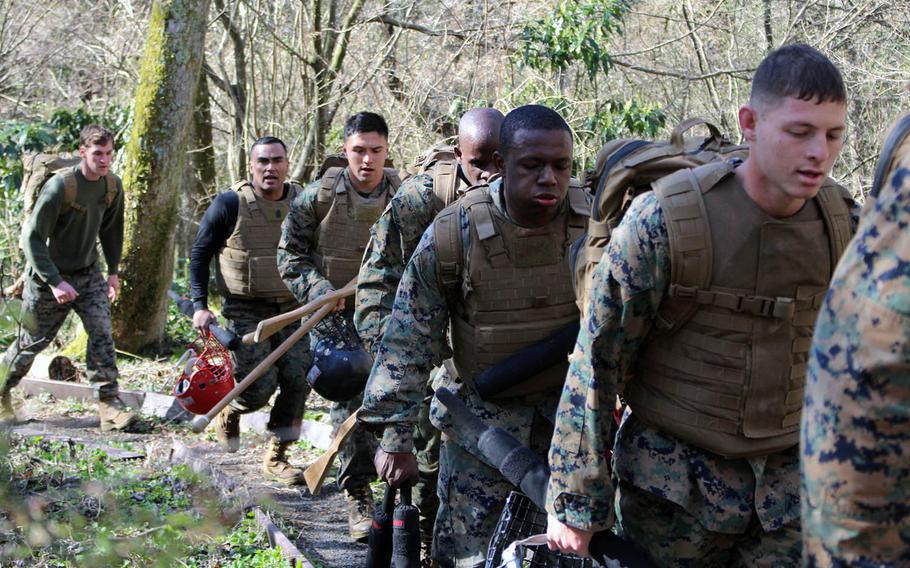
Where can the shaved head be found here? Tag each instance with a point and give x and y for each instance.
(479, 124)
(478, 139)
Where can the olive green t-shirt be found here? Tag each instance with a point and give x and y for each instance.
(58, 242)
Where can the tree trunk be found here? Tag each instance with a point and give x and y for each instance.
(156, 158)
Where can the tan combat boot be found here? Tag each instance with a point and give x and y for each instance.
(227, 429)
(360, 512)
(115, 415)
(275, 464)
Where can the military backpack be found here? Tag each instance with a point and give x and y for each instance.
(37, 169)
(625, 168)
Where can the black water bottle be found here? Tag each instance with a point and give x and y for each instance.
(406, 532)
(379, 541)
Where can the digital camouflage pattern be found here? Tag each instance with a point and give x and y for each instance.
(301, 275)
(725, 496)
(471, 493)
(856, 417)
(393, 239)
(287, 375)
(686, 542)
(93, 308)
(295, 249)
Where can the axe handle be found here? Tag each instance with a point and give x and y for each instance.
(271, 326)
(200, 422)
(315, 473)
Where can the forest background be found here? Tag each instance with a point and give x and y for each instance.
(188, 85)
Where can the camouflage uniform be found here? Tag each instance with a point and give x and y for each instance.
(93, 308)
(60, 244)
(301, 274)
(471, 492)
(712, 511)
(393, 239)
(855, 434)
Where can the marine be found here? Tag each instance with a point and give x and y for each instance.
(393, 239)
(703, 308)
(240, 231)
(77, 209)
(511, 241)
(855, 439)
(321, 247)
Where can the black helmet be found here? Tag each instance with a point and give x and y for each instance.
(341, 365)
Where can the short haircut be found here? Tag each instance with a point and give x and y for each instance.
(265, 141)
(95, 134)
(799, 71)
(528, 117)
(363, 122)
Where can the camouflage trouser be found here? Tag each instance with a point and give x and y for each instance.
(472, 493)
(355, 459)
(92, 307)
(287, 375)
(426, 444)
(672, 537)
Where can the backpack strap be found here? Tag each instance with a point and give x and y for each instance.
(112, 189)
(832, 200)
(680, 195)
(70, 188)
(328, 186)
(445, 182)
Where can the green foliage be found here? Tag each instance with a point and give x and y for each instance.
(13, 318)
(65, 504)
(245, 546)
(575, 32)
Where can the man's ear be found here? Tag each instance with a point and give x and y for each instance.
(499, 160)
(748, 121)
(457, 152)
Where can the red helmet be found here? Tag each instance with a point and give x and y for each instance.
(206, 378)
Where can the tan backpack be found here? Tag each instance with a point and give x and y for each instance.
(37, 169)
(441, 163)
(624, 169)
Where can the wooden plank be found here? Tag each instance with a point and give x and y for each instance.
(166, 407)
(278, 539)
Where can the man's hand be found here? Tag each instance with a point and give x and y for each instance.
(396, 468)
(113, 287)
(64, 293)
(339, 306)
(567, 539)
(202, 319)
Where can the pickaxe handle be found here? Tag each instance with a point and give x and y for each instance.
(200, 422)
(271, 326)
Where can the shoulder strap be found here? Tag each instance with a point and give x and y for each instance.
(832, 200)
(327, 189)
(70, 188)
(112, 189)
(394, 179)
(680, 195)
(579, 203)
(445, 181)
(449, 252)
